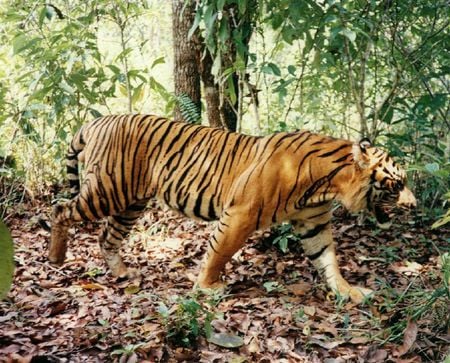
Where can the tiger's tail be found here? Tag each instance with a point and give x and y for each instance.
(72, 161)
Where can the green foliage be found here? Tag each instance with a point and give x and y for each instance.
(443, 220)
(187, 319)
(419, 138)
(189, 110)
(65, 74)
(127, 350)
(420, 303)
(274, 286)
(11, 190)
(6, 261)
(284, 236)
(346, 68)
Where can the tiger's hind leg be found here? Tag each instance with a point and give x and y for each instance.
(63, 216)
(114, 231)
(59, 235)
(88, 205)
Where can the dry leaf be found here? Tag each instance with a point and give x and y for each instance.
(309, 310)
(377, 356)
(359, 340)
(406, 267)
(299, 289)
(324, 342)
(409, 337)
(87, 316)
(132, 289)
(226, 340)
(92, 286)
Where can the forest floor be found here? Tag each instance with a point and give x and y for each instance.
(275, 309)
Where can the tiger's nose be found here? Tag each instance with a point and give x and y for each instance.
(406, 199)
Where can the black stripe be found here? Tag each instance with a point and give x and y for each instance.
(341, 159)
(211, 210)
(329, 153)
(72, 169)
(317, 204)
(274, 215)
(296, 137)
(317, 184)
(211, 244)
(258, 219)
(299, 170)
(316, 255)
(198, 206)
(303, 141)
(318, 214)
(315, 231)
(383, 181)
(81, 211)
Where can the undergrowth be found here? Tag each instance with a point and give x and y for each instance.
(186, 318)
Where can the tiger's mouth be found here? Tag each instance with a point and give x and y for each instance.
(383, 215)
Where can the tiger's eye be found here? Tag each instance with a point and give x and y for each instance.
(398, 186)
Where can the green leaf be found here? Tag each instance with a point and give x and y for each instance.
(123, 54)
(291, 69)
(123, 90)
(231, 91)
(349, 34)
(271, 68)
(157, 61)
(224, 32)
(444, 220)
(138, 94)
(49, 12)
(163, 310)
(94, 112)
(114, 68)
(242, 6)
(65, 87)
(273, 286)
(283, 244)
(6, 261)
(220, 4)
(197, 19)
(226, 340)
(22, 42)
(432, 167)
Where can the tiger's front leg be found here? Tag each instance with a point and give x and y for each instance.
(229, 235)
(318, 244)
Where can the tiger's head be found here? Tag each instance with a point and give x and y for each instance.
(387, 189)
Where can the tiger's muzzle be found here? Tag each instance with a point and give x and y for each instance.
(385, 209)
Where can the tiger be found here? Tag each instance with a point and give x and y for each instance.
(244, 183)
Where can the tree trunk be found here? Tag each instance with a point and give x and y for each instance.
(186, 54)
(211, 90)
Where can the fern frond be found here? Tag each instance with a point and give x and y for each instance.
(189, 110)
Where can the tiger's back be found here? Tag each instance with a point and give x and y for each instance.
(145, 156)
(194, 169)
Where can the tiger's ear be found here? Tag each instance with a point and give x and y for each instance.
(364, 144)
(360, 152)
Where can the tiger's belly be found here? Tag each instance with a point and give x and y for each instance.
(204, 203)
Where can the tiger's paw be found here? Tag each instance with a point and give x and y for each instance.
(57, 260)
(213, 286)
(358, 294)
(120, 271)
(204, 285)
